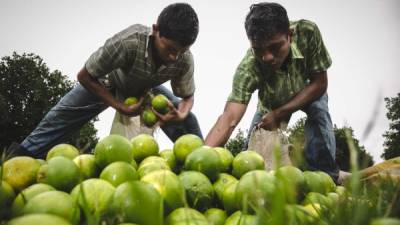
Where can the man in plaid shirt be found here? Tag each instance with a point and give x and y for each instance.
(130, 63)
(287, 63)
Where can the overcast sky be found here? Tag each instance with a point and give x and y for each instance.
(361, 36)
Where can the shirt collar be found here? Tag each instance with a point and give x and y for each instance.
(146, 54)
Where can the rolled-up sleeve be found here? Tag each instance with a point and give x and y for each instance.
(110, 56)
(318, 58)
(184, 85)
(244, 82)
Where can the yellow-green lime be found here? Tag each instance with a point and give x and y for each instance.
(205, 160)
(59, 172)
(66, 150)
(87, 166)
(215, 216)
(119, 172)
(20, 172)
(184, 145)
(54, 202)
(130, 101)
(38, 219)
(138, 202)
(198, 188)
(143, 146)
(246, 161)
(160, 103)
(113, 148)
(169, 186)
(28, 193)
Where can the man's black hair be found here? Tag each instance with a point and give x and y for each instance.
(179, 23)
(266, 20)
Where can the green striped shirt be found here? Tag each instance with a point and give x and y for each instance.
(308, 55)
(125, 61)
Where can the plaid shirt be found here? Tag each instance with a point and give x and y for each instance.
(308, 55)
(125, 61)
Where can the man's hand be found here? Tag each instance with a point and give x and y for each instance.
(272, 120)
(173, 115)
(132, 110)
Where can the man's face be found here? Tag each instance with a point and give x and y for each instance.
(273, 51)
(167, 50)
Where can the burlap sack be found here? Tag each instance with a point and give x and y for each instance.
(129, 127)
(266, 142)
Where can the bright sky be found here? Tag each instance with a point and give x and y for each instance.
(360, 35)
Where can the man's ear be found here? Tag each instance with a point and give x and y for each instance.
(155, 29)
(290, 34)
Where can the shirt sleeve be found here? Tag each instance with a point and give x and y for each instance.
(184, 86)
(244, 81)
(318, 58)
(110, 56)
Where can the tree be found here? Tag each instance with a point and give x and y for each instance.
(297, 139)
(236, 144)
(392, 136)
(27, 92)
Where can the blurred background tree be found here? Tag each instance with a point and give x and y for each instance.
(392, 136)
(28, 89)
(297, 139)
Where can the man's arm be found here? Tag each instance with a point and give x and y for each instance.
(317, 87)
(177, 114)
(96, 88)
(225, 124)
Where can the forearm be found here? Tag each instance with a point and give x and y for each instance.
(186, 105)
(220, 132)
(309, 94)
(96, 88)
(225, 124)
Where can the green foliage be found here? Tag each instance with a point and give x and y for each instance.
(392, 136)
(27, 92)
(236, 144)
(297, 139)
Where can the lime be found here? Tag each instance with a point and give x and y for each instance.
(149, 118)
(184, 145)
(95, 195)
(229, 198)
(221, 183)
(119, 172)
(111, 149)
(205, 160)
(144, 145)
(66, 150)
(87, 166)
(226, 158)
(246, 161)
(6, 198)
(256, 189)
(60, 172)
(138, 202)
(169, 187)
(54, 202)
(160, 104)
(215, 216)
(168, 155)
(198, 188)
(238, 218)
(38, 219)
(186, 216)
(27, 194)
(20, 172)
(130, 101)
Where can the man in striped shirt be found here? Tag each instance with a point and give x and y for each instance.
(130, 63)
(287, 63)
